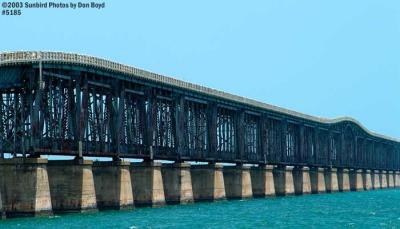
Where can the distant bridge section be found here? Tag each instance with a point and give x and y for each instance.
(67, 104)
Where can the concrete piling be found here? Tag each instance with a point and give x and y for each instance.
(177, 182)
(356, 181)
(208, 182)
(317, 180)
(147, 184)
(283, 180)
(376, 179)
(237, 181)
(343, 180)
(302, 183)
(367, 179)
(112, 181)
(383, 179)
(72, 185)
(331, 180)
(262, 181)
(390, 179)
(25, 187)
(397, 179)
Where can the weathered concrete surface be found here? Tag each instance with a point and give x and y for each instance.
(262, 181)
(302, 183)
(208, 182)
(112, 180)
(237, 182)
(283, 180)
(376, 179)
(72, 185)
(343, 180)
(383, 178)
(177, 183)
(24, 187)
(331, 180)
(147, 184)
(367, 179)
(317, 178)
(356, 182)
(390, 179)
(397, 179)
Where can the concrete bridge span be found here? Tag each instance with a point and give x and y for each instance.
(54, 103)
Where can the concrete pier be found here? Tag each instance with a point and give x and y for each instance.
(262, 181)
(72, 185)
(147, 184)
(237, 182)
(317, 180)
(208, 182)
(331, 180)
(383, 178)
(302, 183)
(283, 180)
(356, 181)
(24, 187)
(397, 179)
(113, 184)
(390, 179)
(376, 179)
(35, 186)
(367, 179)
(177, 182)
(343, 180)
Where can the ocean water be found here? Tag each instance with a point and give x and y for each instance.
(372, 209)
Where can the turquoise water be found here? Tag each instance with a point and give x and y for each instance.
(373, 209)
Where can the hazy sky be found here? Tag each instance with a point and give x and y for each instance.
(324, 58)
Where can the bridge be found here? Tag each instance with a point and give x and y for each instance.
(55, 103)
(68, 104)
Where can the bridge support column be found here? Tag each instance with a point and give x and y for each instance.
(283, 180)
(317, 180)
(177, 183)
(331, 180)
(383, 178)
(72, 185)
(208, 182)
(237, 182)
(302, 183)
(113, 184)
(397, 179)
(147, 184)
(390, 179)
(376, 180)
(356, 182)
(24, 187)
(367, 180)
(262, 181)
(343, 180)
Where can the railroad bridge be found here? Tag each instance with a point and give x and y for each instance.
(55, 103)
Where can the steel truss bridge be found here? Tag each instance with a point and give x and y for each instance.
(57, 103)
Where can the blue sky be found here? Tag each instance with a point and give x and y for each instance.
(324, 58)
